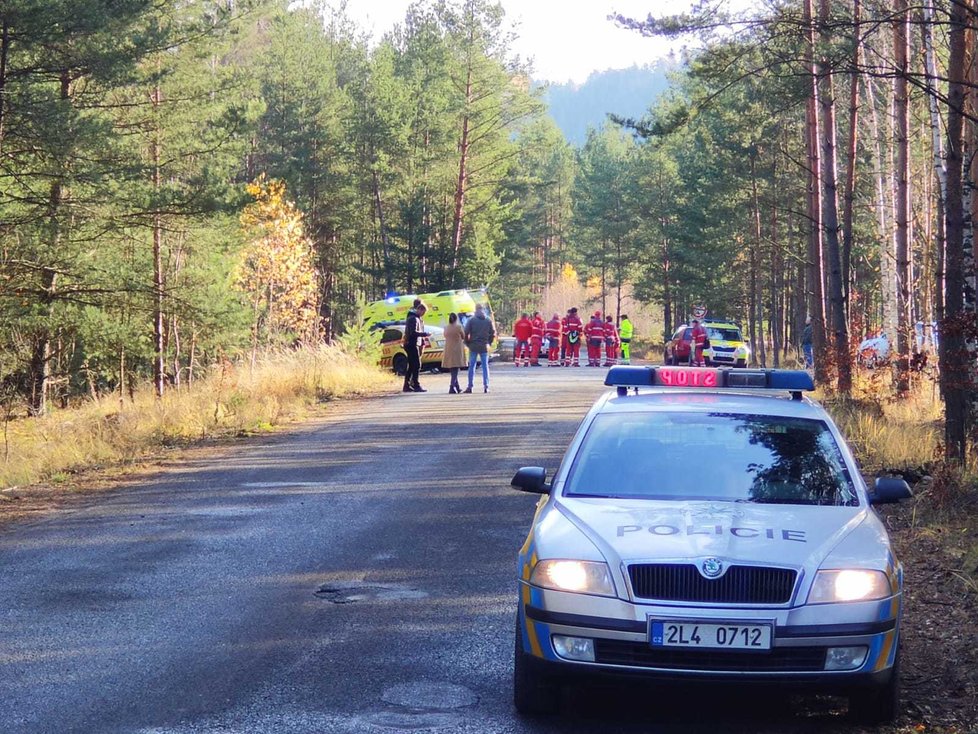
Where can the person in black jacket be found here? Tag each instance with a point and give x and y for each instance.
(413, 333)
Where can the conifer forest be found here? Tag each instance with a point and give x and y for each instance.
(183, 183)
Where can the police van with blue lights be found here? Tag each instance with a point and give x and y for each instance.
(710, 525)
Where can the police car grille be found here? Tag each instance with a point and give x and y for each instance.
(641, 654)
(739, 585)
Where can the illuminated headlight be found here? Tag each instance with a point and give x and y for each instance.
(583, 577)
(849, 585)
(743, 351)
(845, 658)
(575, 648)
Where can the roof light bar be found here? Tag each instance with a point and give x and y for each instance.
(793, 381)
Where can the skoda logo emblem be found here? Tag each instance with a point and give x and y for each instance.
(712, 568)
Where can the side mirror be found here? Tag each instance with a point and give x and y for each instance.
(889, 490)
(531, 479)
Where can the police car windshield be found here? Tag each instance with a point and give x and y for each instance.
(711, 456)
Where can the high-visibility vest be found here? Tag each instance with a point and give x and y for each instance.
(626, 329)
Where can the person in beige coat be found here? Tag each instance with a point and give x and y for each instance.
(453, 358)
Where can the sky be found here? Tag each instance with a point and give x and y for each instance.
(567, 39)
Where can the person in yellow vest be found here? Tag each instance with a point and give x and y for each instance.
(625, 333)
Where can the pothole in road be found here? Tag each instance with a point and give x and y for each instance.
(427, 695)
(349, 592)
(408, 722)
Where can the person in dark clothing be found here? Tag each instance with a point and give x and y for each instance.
(806, 344)
(413, 334)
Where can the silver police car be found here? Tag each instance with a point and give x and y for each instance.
(710, 525)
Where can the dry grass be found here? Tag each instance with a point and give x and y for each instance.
(233, 399)
(887, 433)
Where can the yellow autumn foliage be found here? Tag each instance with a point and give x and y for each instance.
(277, 268)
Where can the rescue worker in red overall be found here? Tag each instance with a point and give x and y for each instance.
(611, 342)
(536, 338)
(573, 328)
(553, 332)
(697, 343)
(594, 333)
(523, 330)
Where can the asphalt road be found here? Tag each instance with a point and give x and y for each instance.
(353, 575)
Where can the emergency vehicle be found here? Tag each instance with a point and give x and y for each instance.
(727, 345)
(391, 309)
(394, 357)
(761, 559)
(441, 303)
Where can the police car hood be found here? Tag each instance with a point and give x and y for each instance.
(652, 530)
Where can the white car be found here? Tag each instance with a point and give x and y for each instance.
(709, 525)
(874, 352)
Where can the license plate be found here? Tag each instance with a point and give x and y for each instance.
(709, 635)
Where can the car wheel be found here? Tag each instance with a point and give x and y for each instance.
(400, 364)
(533, 692)
(666, 359)
(880, 704)
(741, 363)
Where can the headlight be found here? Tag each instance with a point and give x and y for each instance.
(583, 577)
(849, 585)
(743, 351)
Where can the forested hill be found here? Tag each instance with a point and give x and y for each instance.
(624, 92)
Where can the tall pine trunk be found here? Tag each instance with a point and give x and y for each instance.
(462, 182)
(815, 259)
(40, 366)
(830, 218)
(969, 207)
(156, 152)
(953, 353)
(851, 151)
(901, 129)
(937, 146)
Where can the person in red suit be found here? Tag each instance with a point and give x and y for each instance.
(573, 331)
(594, 333)
(536, 338)
(523, 330)
(611, 342)
(553, 331)
(697, 343)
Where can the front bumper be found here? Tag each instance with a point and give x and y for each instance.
(730, 356)
(802, 636)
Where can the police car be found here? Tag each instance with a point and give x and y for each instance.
(710, 524)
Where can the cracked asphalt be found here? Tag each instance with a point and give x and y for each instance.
(355, 574)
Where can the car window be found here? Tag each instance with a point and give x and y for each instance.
(688, 334)
(724, 334)
(678, 334)
(391, 335)
(711, 456)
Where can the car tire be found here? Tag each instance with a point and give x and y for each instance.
(666, 359)
(741, 363)
(879, 704)
(534, 694)
(400, 364)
